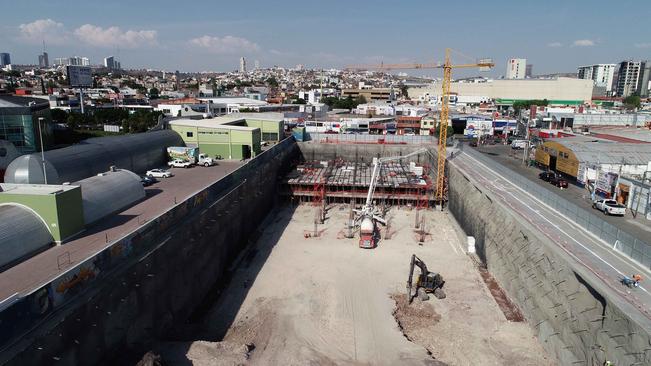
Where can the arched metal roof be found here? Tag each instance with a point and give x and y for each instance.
(137, 153)
(109, 192)
(22, 233)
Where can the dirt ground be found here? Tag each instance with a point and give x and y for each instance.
(324, 301)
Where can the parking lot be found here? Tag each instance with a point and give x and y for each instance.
(637, 226)
(160, 196)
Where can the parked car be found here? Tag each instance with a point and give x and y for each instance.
(558, 181)
(519, 144)
(609, 207)
(546, 176)
(147, 181)
(179, 163)
(159, 173)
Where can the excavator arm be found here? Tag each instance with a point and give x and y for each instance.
(426, 280)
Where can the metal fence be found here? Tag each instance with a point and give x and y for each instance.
(370, 139)
(620, 240)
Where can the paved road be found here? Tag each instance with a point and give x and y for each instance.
(605, 263)
(638, 226)
(30, 275)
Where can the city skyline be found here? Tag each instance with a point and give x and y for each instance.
(207, 37)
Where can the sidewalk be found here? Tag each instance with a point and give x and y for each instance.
(638, 226)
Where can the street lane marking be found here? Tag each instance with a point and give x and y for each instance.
(554, 225)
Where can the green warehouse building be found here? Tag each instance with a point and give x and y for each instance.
(230, 136)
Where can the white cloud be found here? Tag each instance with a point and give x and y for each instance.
(643, 45)
(584, 43)
(46, 30)
(555, 44)
(114, 36)
(225, 45)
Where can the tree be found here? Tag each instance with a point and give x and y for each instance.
(437, 131)
(59, 115)
(632, 101)
(526, 104)
(75, 120)
(404, 90)
(299, 101)
(153, 92)
(272, 82)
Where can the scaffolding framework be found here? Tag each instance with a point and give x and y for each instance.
(339, 181)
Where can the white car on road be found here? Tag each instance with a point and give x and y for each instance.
(159, 173)
(609, 207)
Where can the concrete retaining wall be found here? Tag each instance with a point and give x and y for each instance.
(149, 281)
(362, 152)
(572, 316)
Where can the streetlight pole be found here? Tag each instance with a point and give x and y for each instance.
(40, 132)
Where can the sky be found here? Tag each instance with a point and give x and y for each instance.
(553, 35)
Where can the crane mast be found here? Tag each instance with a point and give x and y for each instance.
(443, 128)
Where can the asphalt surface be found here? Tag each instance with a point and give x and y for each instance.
(33, 273)
(607, 264)
(637, 226)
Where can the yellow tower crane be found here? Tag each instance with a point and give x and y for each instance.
(447, 66)
(483, 64)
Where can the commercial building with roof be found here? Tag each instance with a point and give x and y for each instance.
(19, 121)
(584, 157)
(234, 136)
(559, 91)
(370, 94)
(34, 216)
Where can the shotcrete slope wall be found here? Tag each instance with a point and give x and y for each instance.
(171, 265)
(575, 319)
(362, 152)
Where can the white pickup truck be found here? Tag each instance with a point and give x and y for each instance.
(609, 207)
(179, 163)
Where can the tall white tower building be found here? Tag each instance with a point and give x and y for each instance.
(516, 68)
(242, 65)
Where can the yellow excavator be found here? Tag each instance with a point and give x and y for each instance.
(427, 282)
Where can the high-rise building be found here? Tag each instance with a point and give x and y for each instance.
(516, 68)
(242, 65)
(111, 64)
(628, 77)
(645, 77)
(601, 74)
(72, 61)
(256, 64)
(43, 60)
(528, 73)
(5, 59)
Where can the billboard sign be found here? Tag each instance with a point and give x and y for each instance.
(605, 182)
(80, 76)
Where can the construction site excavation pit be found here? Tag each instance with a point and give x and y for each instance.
(306, 293)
